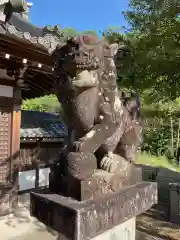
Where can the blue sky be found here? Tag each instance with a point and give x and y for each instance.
(79, 14)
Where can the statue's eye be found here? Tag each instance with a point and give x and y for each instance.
(77, 46)
(86, 54)
(71, 54)
(77, 54)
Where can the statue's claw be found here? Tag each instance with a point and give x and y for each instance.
(109, 163)
(77, 146)
(106, 163)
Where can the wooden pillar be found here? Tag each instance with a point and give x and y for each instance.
(6, 103)
(15, 146)
(10, 118)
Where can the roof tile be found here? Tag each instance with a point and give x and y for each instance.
(41, 125)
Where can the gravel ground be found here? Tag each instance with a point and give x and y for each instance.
(155, 223)
(145, 236)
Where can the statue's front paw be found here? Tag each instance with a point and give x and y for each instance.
(109, 164)
(81, 165)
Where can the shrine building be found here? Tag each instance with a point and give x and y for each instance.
(25, 72)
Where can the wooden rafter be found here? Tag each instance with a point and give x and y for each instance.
(35, 58)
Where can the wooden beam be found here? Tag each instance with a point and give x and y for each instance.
(30, 94)
(7, 82)
(36, 87)
(25, 53)
(16, 62)
(5, 101)
(41, 78)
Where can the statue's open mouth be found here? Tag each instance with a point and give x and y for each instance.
(84, 78)
(87, 64)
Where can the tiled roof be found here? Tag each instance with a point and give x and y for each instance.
(41, 125)
(47, 37)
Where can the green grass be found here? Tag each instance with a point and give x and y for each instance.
(160, 161)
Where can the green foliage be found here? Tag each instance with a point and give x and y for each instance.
(71, 32)
(91, 32)
(157, 137)
(125, 65)
(113, 35)
(160, 124)
(47, 103)
(68, 33)
(155, 26)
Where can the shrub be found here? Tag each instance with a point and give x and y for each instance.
(161, 136)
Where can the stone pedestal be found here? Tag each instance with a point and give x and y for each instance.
(174, 206)
(90, 219)
(124, 231)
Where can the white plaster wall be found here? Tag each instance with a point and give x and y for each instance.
(6, 91)
(27, 179)
(44, 177)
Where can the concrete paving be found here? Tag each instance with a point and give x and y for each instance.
(20, 225)
(144, 236)
(48, 236)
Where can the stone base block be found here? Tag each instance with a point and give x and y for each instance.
(124, 231)
(101, 183)
(84, 220)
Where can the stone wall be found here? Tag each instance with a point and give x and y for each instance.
(163, 177)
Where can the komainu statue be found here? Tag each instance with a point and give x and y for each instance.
(94, 185)
(104, 131)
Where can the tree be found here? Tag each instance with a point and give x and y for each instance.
(92, 32)
(69, 32)
(125, 64)
(155, 36)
